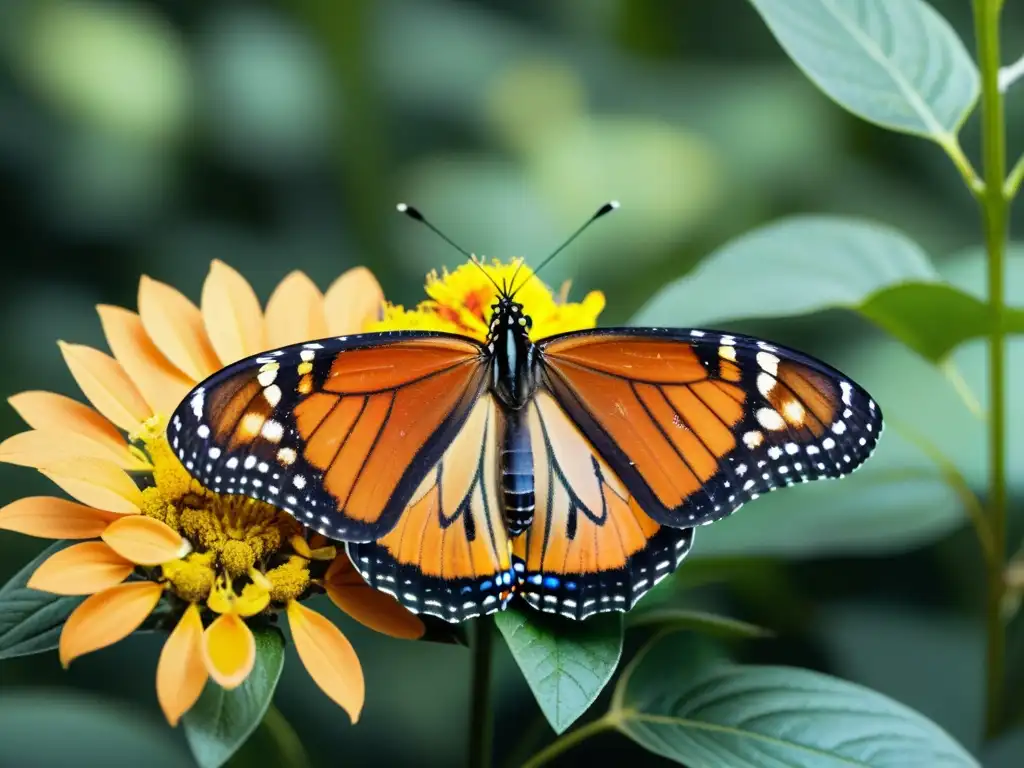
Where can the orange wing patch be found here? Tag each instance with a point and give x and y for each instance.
(591, 547)
(338, 433)
(697, 423)
(449, 553)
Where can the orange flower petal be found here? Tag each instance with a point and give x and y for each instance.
(232, 314)
(328, 657)
(97, 483)
(181, 673)
(229, 651)
(103, 380)
(161, 383)
(353, 300)
(144, 541)
(50, 518)
(176, 327)
(41, 447)
(368, 606)
(106, 617)
(48, 411)
(295, 312)
(81, 569)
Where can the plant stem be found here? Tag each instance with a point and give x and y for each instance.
(994, 209)
(481, 720)
(568, 741)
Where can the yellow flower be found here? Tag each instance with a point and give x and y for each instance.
(460, 302)
(148, 533)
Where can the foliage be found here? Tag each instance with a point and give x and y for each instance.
(159, 137)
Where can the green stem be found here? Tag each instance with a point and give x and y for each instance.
(568, 741)
(481, 721)
(994, 209)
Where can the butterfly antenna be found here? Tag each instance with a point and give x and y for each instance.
(414, 214)
(602, 211)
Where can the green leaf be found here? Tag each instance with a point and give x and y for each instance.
(697, 621)
(899, 65)
(705, 716)
(221, 721)
(793, 266)
(805, 264)
(50, 727)
(896, 502)
(30, 620)
(909, 312)
(566, 663)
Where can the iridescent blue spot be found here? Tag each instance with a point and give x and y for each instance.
(535, 579)
(570, 585)
(551, 582)
(466, 589)
(486, 585)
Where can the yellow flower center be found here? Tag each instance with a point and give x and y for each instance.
(460, 302)
(246, 554)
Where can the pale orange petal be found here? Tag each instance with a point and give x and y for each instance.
(103, 380)
(353, 300)
(163, 385)
(41, 447)
(50, 518)
(295, 312)
(81, 569)
(328, 657)
(176, 327)
(181, 673)
(232, 314)
(367, 605)
(229, 651)
(106, 617)
(96, 483)
(145, 541)
(48, 411)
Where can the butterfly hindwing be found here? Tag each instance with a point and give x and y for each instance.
(339, 432)
(448, 556)
(696, 423)
(590, 548)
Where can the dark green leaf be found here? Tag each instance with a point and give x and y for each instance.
(709, 715)
(30, 621)
(220, 722)
(934, 318)
(899, 65)
(58, 728)
(697, 621)
(566, 663)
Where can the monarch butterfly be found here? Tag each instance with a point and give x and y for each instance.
(572, 470)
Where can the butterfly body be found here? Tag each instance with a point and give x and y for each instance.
(571, 470)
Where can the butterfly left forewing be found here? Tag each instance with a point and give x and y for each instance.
(590, 548)
(448, 556)
(696, 423)
(338, 433)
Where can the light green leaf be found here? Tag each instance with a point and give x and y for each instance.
(30, 621)
(566, 663)
(221, 721)
(705, 716)
(793, 266)
(696, 621)
(899, 65)
(805, 264)
(898, 501)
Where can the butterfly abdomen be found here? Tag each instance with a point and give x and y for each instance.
(517, 474)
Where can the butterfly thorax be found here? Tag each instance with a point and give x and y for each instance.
(513, 355)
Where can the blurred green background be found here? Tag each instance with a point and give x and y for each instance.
(151, 137)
